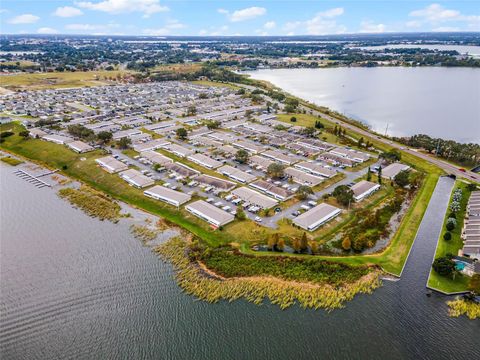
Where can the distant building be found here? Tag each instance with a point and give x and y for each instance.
(392, 170)
(364, 188)
(316, 217)
(80, 147)
(110, 164)
(211, 214)
(172, 197)
(136, 178)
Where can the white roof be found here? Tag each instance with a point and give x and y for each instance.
(169, 195)
(316, 216)
(254, 197)
(392, 170)
(210, 213)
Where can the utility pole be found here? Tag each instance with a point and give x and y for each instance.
(438, 148)
(386, 130)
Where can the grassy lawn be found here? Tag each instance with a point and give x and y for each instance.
(55, 80)
(444, 247)
(57, 156)
(328, 182)
(130, 153)
(11, 161)
(214, 83)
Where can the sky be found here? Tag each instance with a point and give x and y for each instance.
(217, 18)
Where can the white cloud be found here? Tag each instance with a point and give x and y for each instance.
(46, 30)
(243, 14)
(24, 19)
(322, 23)
(168, 29)
(147, 7)
(67, 11)
(370, 27)
(436, 14)
(269, 25)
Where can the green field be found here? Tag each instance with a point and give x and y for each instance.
(460, 283)
(53, 80)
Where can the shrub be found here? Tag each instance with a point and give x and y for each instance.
(444, 266)
(447, 236)
(451, 223)
(455, 206)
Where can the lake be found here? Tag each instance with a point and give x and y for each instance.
(73, 287)
(462, 49)
(438, 101)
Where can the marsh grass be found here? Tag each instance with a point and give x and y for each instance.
(144, 233)
(92, 202)
(463, 307)
(284, 293)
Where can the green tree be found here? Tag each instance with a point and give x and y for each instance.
(360, 142)
(124, 143)
(391, 156)
(275, 170)
(81, 132)
(309, 131)
(369, 174)
(293, 119)
(319, 125)
(191, 110)
(402, 179)
(343, 194)
(104, 136)
(182, 133)
(214, 124)
(24, 133)
(444, 266)
(240, 214)
(447, 236)
(380, 175)
(472, 187)
(303, 191)
(242, 156)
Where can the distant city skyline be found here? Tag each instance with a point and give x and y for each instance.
(242, 18)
